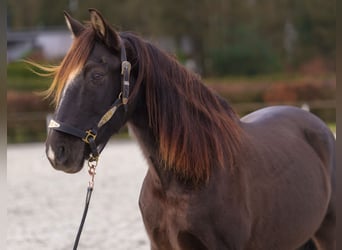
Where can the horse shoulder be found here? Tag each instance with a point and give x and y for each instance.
(177, 216)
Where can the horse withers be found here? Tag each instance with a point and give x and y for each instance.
(214, 181)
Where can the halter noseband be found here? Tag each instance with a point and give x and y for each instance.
(89, 136)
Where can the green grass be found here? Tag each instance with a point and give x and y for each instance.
(332, 127)
(21, 78)
(271, 78)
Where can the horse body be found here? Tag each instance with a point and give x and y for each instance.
(283, 194)
(263, 182)
(290, 168)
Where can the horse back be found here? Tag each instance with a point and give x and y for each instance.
(291, 121)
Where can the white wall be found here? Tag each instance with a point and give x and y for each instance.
(54, 44)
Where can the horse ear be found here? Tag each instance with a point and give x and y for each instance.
(74, 26)
(104, 30)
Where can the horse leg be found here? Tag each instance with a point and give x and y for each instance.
(324, 238)
(309, 245)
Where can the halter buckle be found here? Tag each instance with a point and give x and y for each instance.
(125, 68)
(90, 135)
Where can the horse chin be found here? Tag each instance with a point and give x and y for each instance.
(73, 169)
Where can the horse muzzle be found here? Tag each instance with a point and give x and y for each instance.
(65, 152)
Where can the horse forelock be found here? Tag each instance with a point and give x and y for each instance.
(195, 129)
(71, 64)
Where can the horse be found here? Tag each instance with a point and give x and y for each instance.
(214, 181)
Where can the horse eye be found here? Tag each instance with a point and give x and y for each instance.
(96, 76)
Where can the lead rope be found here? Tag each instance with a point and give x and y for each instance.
(92, 163)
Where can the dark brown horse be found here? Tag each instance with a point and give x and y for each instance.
(263, 182)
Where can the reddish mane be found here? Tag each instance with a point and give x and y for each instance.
(196, 129)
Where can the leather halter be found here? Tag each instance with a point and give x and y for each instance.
(89, 135)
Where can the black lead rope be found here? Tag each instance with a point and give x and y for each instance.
(89, 192)
(92, 163)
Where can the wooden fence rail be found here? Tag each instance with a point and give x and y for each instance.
(239, 107)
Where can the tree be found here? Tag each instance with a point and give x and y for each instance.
(251, 32)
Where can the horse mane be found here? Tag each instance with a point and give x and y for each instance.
(195, 129)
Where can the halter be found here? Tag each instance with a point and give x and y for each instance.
(89, 136)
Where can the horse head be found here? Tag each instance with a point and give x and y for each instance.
(91, 88)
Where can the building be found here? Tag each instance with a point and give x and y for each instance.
(51, 44)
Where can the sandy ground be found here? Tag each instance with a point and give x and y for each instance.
(45, 206)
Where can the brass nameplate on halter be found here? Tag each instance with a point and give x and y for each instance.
(107, 116)
(53, 124)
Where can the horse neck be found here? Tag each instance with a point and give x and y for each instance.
(180, 122)
(148, 139)
(139, 126)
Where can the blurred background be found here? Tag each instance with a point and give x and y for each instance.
(255, 53)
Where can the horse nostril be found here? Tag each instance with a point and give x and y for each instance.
(60, 151)
(60, 154)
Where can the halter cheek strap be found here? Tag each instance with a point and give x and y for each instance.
(89, 136)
